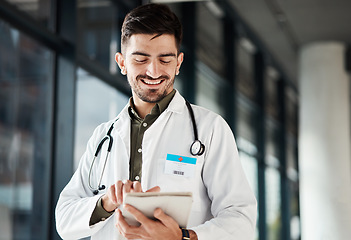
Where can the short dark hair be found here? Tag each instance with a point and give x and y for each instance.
(152, 19)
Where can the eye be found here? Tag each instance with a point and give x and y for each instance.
(165, 60)
(140, 60)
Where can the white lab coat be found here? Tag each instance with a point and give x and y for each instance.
(224, 206)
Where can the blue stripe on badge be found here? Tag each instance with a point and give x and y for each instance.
(182, 159)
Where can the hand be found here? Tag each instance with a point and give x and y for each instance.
(114, 196)
(164, 227)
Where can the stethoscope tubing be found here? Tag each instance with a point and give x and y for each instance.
(98, 149)
(196, 149)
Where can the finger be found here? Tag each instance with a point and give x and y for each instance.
(139, 216)
(129, 232)
(109, 200)
(164, 218)
(118, 191)
(136, 186)
(111, 194)
(121, 222)
(127, 187)
(154, 189)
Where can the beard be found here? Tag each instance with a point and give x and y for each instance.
(152, 95)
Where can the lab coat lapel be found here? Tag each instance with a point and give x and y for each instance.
(123, 126)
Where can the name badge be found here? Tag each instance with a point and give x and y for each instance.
(180, 165)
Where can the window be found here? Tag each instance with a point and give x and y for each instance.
(96, 103)
(245, 69)
(209, 38)
(291, 112)
(99, 24)
(40, 10)
(271, 93)
(293, 179)
(209, 55)
(25, 135)
(273, 183)
(246, 142)
(208, 89)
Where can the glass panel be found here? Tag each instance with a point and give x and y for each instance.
(209, 38)
(272, 181)
(293, 176)
(38, 9)
(272, 145)
(99, 24)
(271, 93)
(292, 112)
(246, 123)
(25, 133)
(245, 69)
(249, 164)
(96, 103)
(291, 156)
(178, 84)
(208, 89)
(295, 229)
(273, 203)
(246, 139)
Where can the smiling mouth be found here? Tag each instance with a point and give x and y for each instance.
(151, 82)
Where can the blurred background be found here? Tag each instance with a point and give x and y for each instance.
(276, 70)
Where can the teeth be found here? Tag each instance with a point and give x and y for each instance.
(152, 82)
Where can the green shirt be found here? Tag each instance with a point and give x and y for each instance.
(138, 128)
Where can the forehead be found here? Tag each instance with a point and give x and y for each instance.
(151, 44)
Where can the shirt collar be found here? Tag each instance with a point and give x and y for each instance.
(156, 110)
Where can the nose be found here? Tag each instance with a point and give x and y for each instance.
(153, 69)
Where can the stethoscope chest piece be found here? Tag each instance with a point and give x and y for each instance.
(197, 148)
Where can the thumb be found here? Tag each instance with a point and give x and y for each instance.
(165, 219)
(154, 189)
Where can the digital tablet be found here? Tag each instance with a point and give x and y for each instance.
(175, 204)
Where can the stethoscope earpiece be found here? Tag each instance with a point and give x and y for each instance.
(96, 191)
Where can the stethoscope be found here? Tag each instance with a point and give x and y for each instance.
(196, 149)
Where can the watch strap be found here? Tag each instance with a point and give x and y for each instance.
(185, 234)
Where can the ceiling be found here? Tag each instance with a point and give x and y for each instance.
(284, 26)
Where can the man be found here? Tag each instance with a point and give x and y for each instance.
(155, 125)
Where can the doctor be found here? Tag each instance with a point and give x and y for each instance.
(152, 131)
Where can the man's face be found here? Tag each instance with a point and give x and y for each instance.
(150, 63)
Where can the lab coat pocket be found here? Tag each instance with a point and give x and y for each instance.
(181, 174)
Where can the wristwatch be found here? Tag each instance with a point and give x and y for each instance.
(185, 234)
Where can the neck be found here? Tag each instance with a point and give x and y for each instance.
(142, 108)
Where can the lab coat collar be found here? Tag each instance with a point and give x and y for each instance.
(177, 105)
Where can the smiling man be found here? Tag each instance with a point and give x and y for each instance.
(150, 62)
(156, 126)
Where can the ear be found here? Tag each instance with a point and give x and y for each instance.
(121, 62)
(179, 62)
